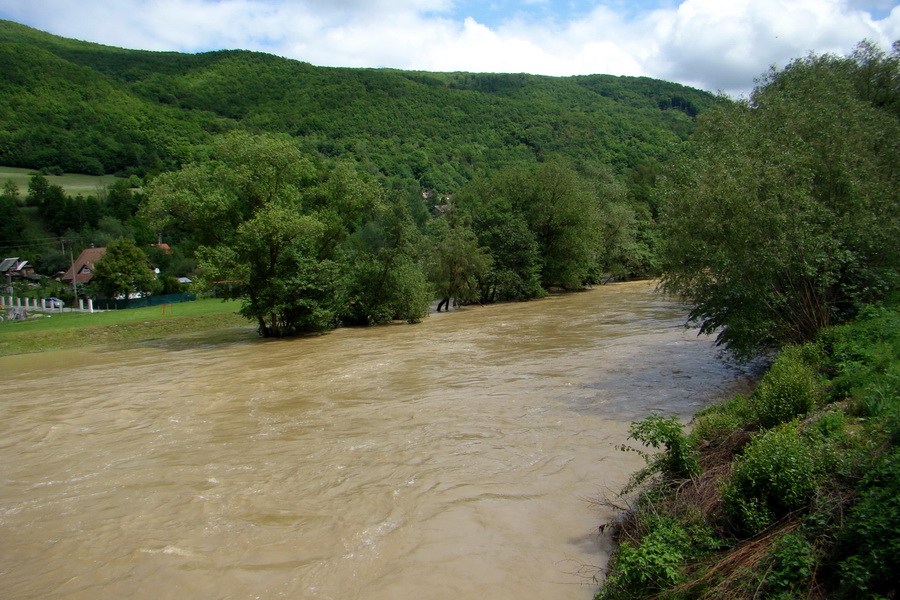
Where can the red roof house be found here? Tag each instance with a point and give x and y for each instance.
(83, 268)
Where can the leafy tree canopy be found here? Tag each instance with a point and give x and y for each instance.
(123, 270)
(783, 218)
(287, 231)
(91, 108)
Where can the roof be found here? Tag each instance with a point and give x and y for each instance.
(7, 264)
(84, 265)
(13, 265)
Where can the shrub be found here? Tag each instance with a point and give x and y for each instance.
(788, 390)
(864, 353)
(794, 561)
(779, 472)
(677, 461)
(868, 549)
(656, 560)
(831, 425)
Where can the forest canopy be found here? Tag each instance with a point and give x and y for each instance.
(88, 108)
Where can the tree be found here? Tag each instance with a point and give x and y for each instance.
(386, 280)
(560, 212)
(457, 261)
(268, 217)
(784, 217)
(12, 223)
(515, 269)
(123, 270)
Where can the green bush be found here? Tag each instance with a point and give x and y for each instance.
(779, 472)
(788, 390)
(831, 425)
(868, 549)
(656, 561)
(677, 461)
(794, 560)
(863, 355)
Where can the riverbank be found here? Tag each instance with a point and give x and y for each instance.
(791, 492)
(59, 331)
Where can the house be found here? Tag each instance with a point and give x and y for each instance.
(15, 268)
(83, 269)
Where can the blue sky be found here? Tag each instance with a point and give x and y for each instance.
(717, 45)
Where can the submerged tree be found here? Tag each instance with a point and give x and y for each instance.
(541, 224)
(386, 279)
(281, 226)
(784, 217)
(457, 261)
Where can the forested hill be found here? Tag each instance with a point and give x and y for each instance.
(90, 108)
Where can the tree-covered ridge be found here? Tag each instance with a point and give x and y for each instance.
(437, 128)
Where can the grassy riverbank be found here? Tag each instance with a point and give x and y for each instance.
(74, 330)
(792, 492)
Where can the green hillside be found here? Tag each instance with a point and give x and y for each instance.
(306, 182)
(95, 109)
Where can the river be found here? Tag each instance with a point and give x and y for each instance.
(456, 458)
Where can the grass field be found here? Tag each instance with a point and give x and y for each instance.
(72, 183)
(75, 330)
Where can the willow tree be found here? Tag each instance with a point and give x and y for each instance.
(545, 213)
(783, 218)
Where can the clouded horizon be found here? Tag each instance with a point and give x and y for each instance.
(716, 45)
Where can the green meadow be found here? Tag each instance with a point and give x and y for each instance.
(58, 331)
(73, 183)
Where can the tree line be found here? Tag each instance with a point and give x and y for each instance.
(309, 244)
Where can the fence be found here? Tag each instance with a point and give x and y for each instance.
(142, 302)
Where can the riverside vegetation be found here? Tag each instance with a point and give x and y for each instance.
(791, 492)
(782, 230)
(353, 196)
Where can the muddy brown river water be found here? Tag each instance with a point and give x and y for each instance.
(456, 458)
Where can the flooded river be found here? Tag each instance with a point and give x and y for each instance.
(456, 458)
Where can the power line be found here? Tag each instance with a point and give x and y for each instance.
(9, 245)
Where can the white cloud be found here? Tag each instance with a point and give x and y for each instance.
(725, 45)
(706, 43)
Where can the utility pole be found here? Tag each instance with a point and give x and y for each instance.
(74, 279)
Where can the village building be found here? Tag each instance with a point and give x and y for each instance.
(16, 268)
(82, 270)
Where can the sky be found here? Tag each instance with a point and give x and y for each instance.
(715, 45)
